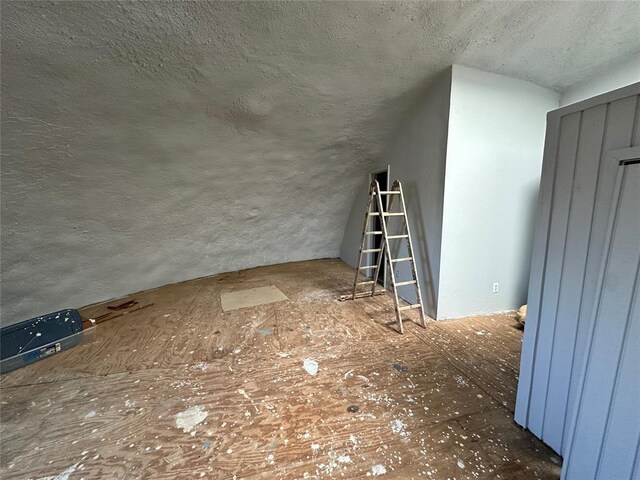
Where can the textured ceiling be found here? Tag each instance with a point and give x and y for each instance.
(151, 142)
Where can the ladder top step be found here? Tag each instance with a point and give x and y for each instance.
(409, 282)
(403, 259)
(397, 236)
(410, 307)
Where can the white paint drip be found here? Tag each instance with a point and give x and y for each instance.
(91, 414)
(361, 377)
(460, 380)
(201, 366)
(62, 476)
(310, 366)
(460, 463)
(377, 470)
(191, 417)
(242, 392)
(398, 426)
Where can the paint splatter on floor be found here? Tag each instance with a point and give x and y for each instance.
(377, 470)
(191, 417)
(398, 426)
(310, 366)
(63, 475)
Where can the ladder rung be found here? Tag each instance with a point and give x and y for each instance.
(370, 282)
(372, 250)
(368, 267)
(394, 214)
(350, 296)
(409, 282)
(389, 192)
(410, 307)
(391, 237)
(374, 214)
(403, 259)
(374, 232)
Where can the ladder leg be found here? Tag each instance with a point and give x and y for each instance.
(364, 238)
(383, 222)
(383, 250)
(396, 299)
(414, 271)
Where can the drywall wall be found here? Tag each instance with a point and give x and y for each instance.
(145, 143)
(494, 159)
(415, 153)
(584, 145)
(613, 77)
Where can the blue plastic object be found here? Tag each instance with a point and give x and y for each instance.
(34, 339)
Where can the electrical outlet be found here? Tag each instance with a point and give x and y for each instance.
(496, 287)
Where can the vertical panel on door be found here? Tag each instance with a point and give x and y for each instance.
(566, 312)
(618, 134)
(538, 264)
(602, 444)
(566, 155)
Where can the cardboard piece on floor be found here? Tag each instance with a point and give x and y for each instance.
(251, 298)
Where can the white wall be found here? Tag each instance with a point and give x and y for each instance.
(416, 155)
(620, 76)
(493, 166)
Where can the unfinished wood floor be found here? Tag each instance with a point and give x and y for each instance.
(432, 403)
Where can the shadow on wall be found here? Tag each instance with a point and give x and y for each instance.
(530, 194)
(395, 111)
(420, 243)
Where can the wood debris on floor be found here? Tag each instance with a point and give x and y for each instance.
(119, 310)
(308, 387)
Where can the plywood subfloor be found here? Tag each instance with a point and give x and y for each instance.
(432, 403)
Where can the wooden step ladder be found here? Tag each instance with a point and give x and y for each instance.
(376, 199)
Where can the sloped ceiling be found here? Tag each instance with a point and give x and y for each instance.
(151, 142)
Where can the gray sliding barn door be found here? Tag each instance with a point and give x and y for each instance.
(605, 428)
(583, 148)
